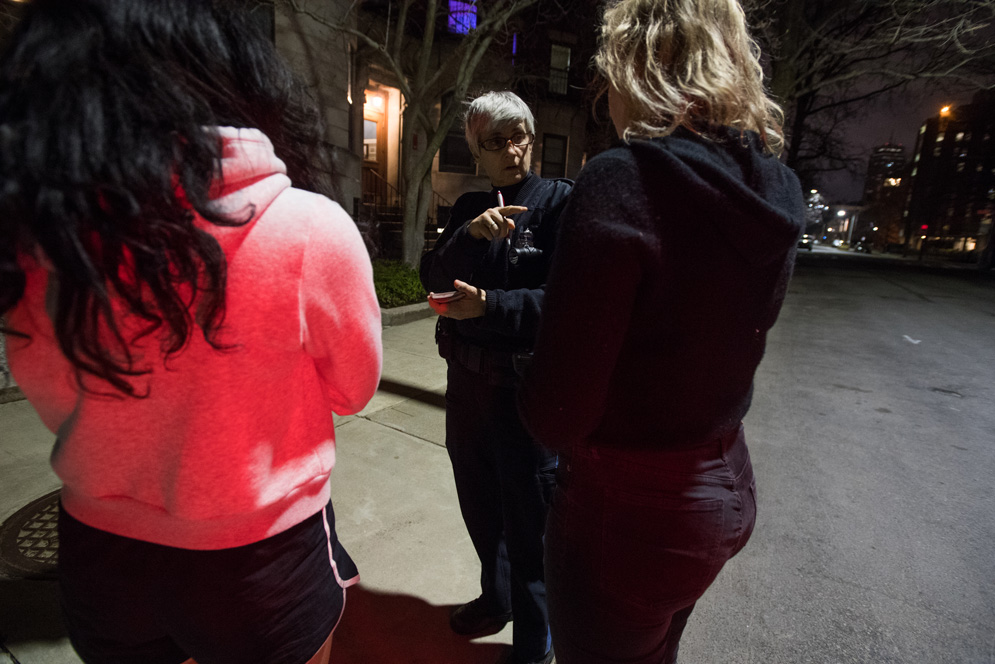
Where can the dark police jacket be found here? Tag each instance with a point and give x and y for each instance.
(514, 292)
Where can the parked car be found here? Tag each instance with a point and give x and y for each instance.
(806, 241)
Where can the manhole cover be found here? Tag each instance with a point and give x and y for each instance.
(29, 539)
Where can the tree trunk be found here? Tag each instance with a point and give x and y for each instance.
(416, 201)
(798, 118)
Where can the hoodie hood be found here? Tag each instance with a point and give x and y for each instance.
(755, 201)
(251, 177)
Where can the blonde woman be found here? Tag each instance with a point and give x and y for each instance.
(673, 258)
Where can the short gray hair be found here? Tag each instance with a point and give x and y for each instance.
(495, 109)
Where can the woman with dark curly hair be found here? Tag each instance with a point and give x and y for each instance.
(185, 320)
(672, 261)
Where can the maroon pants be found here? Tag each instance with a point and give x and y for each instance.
(634, 538)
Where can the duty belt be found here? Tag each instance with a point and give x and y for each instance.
(479, 359)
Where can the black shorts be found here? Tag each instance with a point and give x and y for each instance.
(126, 601)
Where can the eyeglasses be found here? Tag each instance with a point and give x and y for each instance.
(519, 140)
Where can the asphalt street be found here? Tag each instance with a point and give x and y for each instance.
(873, 439)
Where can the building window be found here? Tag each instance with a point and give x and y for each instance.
(455, 156)
(554, 156)
(369, 140)
(462, 16)
(559, 69)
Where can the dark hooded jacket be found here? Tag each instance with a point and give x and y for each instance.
(673, 258)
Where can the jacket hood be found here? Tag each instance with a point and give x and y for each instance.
(754, 200)
(251, 177)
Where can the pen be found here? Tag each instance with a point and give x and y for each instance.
(507, 240)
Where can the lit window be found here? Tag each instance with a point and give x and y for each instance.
(960, 136)
(559, 69)
(369, 140)
(939, 137)
(462, 16)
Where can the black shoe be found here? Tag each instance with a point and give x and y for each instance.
(474, 618)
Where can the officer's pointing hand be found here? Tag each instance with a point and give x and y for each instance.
(495, 223)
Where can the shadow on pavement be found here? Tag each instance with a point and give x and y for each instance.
(389, 628)
(29, 611)
(412, 392)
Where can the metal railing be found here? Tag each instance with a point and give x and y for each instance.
(380, 216)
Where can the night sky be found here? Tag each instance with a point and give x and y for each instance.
(896, 119)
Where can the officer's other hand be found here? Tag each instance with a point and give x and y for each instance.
(471, 306)
(494, 223)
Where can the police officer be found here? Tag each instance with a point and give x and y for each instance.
(486, 277)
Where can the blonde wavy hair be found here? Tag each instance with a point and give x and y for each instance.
(689, 63)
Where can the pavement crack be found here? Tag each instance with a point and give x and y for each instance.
(3, 649)
(851, 389)
(399, 430)
(907, 289)
(942, 390)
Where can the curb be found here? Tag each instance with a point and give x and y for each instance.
(8, 394)
(406, 314)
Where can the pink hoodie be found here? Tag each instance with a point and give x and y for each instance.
(230, 446)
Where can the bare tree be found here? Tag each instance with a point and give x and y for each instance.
(828, 58)
(402, 40)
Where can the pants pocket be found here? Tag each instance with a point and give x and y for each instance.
(662, 551)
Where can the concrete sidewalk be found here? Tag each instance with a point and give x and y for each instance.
(396, 512)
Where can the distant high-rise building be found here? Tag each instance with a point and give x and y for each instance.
(884, 170)
(885, 192)
(953, 179)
